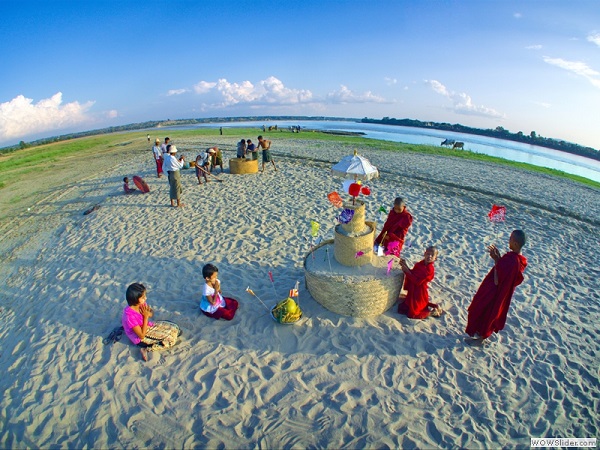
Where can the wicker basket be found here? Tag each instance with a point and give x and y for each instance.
(346, 248)
(241, 166)
(353, 296)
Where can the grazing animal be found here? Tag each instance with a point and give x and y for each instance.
(460, 145)
(448, 142)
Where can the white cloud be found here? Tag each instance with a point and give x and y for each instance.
(576, 67)
(533, 47)
(462, 103)
(594, 38)
(112, 114)
(176, 92)
(345, 95)
(390, 81)
(543, 104)
(518, 15)
(203, 87)
(21, 117)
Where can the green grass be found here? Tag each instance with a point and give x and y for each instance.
(21, 162)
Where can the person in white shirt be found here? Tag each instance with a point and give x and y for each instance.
(172, 165)
(158, 157)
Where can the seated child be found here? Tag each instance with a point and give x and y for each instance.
(149, 336)
(212, 303)
(416, 304)
(126, 187)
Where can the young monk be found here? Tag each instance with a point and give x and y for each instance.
(487, 313)
(416, 282)
(396, 226)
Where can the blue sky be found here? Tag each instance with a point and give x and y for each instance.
(528, 65)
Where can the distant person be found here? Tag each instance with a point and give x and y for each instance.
(172, 166)
(163, 147)
(126, 187)
(251, 150)
(216, 158)
(147, 335)
(212, 303)
(203, 165)
(265, 144)
(148, 138)
(241, 149)
(416, 304)
(158, 157)
(488, 310)
(395, 227)
(221, 131)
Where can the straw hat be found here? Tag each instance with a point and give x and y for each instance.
(173, 149)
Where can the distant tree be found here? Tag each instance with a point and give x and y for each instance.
(533, 135)
(23, 145)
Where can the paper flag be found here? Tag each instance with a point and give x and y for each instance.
(314, 228)
(380, 250)
(382, 209)
(250, 291)
(393, 248)
(390, 264)
(346, 216)
(271, 276)
(293, 293)
(335, 199)
(359, 254)
(346, 185)
(497, 213)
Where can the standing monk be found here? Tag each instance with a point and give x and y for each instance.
(172, 165)
(265, 144)
(396, 226)
(487, 313)
(158, 157)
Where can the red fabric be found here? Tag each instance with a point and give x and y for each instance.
(227, 313)
(416, 283)
(396, 226)
(488, 310)
(159, 163)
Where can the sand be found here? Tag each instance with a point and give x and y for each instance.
(328, 381)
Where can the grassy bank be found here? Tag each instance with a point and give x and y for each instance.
(68, 162)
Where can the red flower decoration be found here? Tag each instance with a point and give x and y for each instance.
(354, 190)
(365, 190)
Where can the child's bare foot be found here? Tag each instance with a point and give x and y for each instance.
(181, 205)
(144, 353)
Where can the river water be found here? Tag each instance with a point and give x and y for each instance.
(513, 151)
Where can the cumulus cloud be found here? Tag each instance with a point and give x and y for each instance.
(594, 38)
(176, 92)
(462, 103)
(576, 67)
(345, 95)
(21, 117)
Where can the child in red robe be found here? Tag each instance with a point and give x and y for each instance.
(396, 226)
(487, 312)
(416, 282)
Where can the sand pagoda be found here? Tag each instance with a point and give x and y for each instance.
(355, 282)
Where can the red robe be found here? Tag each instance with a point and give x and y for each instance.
(487, 313)
(416, 283)
(396, 226)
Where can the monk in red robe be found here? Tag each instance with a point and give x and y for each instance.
(396, 226)
(487, 313)
(416, 282)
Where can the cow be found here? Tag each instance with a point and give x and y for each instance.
(460, 145)
(448, 142)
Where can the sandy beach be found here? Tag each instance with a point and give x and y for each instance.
(328, 381)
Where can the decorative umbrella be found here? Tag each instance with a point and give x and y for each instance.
(355, 168)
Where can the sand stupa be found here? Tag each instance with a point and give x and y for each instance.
(354, 282)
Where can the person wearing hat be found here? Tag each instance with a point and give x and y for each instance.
(172, 166)
(158, 157)
(216, 158)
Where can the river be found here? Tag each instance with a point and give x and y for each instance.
(510, 150)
